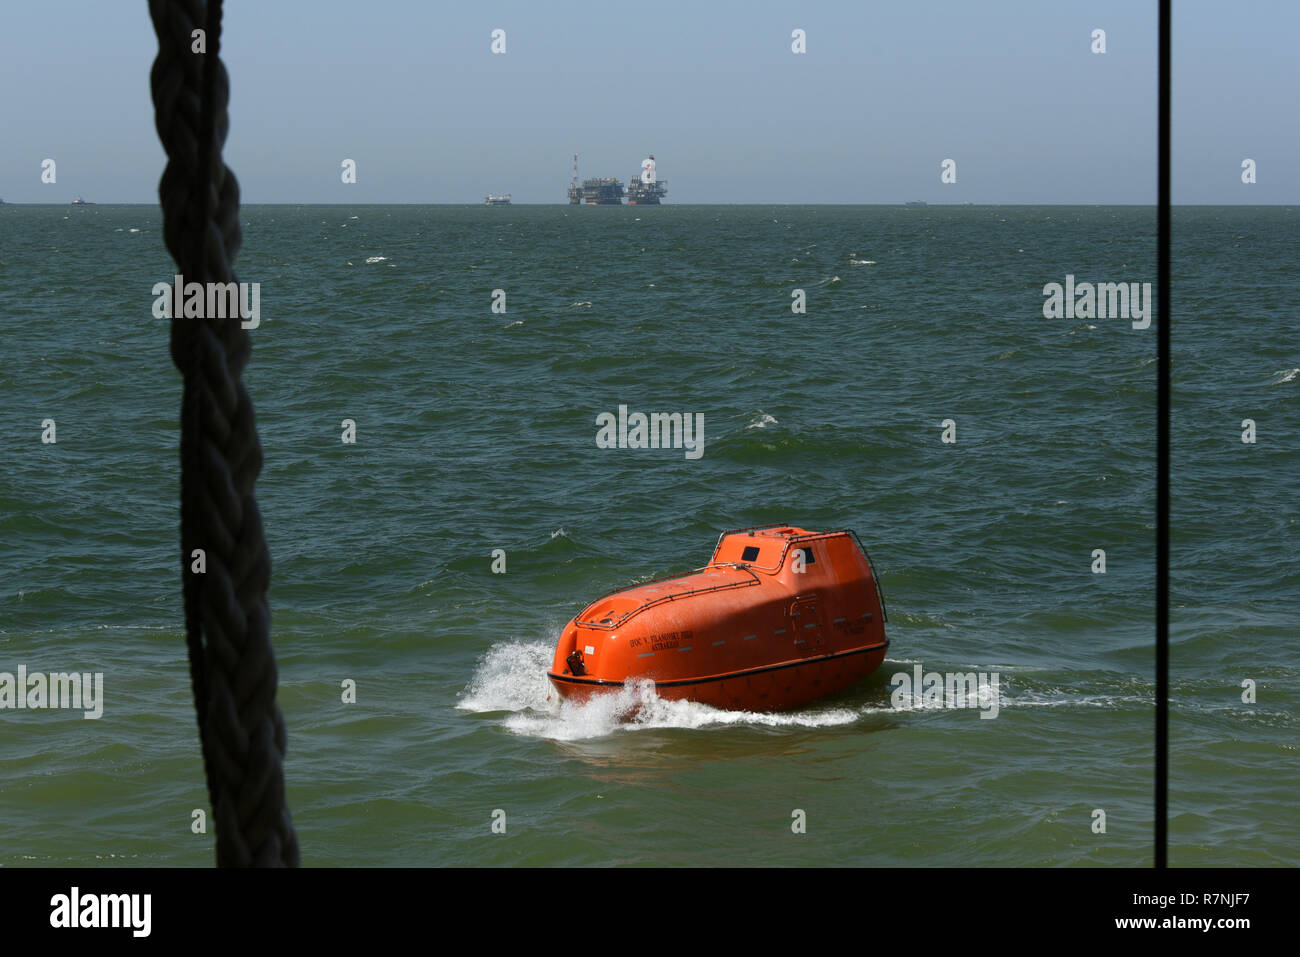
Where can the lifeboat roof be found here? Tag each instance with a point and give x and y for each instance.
(763, 547)
(613, 610)
(737, 560)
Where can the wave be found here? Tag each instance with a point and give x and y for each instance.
(1058, 698)
(1285, 375)
(512, 678)
(376, 259)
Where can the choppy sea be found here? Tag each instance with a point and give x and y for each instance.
(476, 431)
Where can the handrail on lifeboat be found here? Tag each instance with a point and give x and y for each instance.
(671, 596)
(880, 589)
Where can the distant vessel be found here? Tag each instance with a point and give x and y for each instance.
(494, 200)
(645, 190)
(916, 202)
(81, 202)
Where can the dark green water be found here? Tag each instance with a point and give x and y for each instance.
(476, 431)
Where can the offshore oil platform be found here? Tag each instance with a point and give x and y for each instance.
(646, 190)
(642, 190)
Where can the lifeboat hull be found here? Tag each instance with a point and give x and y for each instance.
(780, 617)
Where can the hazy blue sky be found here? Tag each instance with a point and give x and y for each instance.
(885, 93)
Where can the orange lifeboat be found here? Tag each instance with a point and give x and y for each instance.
(780, 616)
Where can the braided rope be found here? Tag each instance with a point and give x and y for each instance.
(227, 619)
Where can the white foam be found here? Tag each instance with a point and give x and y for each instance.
(375, 259)
(1065, 699)
(762, 422)
(512, 678)
(1286, 375)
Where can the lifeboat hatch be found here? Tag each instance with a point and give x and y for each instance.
(806, 625)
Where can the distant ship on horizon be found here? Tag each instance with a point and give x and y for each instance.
(81, 202)
(493, 199)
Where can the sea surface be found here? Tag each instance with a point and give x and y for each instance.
(476, 431)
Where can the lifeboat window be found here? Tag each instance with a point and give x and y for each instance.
(808, 558)
(749, 554)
